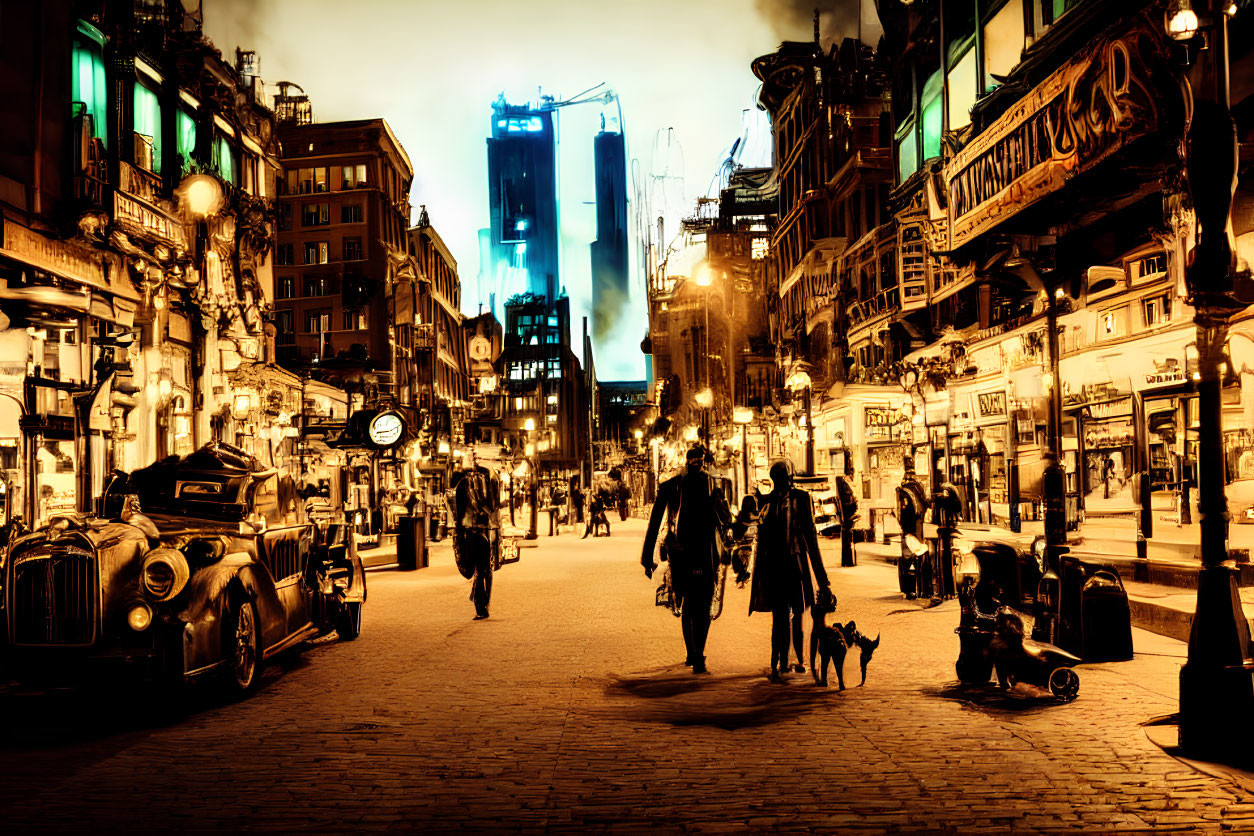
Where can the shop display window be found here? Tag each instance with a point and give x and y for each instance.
(1239, 455)
(57, 467)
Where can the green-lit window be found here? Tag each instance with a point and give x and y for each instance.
(962, 89)
(932, 116)
(186, 139)
(88, 83)
(1054, 9)
(224, 160)
(907, 150)
(148, 129)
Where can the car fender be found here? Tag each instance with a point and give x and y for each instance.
(357, 587)
(211, 593)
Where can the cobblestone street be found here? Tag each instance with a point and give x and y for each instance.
(568, 709)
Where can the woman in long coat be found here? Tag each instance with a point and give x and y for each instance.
(788, 549)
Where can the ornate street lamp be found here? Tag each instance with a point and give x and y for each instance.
(799, 381)
(743, 416)
(705, 400)
(1215, 683)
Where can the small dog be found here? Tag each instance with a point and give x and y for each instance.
(832, 644)
(866, 648)
(828, 644)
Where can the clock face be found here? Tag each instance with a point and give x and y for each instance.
(386, 429)
(479, 348)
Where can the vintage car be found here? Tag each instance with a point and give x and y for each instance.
(201, 565)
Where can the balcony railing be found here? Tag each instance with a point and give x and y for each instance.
(135, 181)
(886, 301)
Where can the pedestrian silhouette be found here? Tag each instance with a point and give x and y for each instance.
(788, 547)
(696, 511)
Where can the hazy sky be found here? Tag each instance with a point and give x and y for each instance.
(432, 69)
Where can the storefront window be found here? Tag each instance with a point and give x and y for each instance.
(997, 485)
(1239, 453)
(57, 481)
(1108, 443)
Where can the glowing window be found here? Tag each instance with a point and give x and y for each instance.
(907, 151)
(932, 117)
(88, 83)
(186, 139)
(962, 89)
(1003, 43)
(148, 126)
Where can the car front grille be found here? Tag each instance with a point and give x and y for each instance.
(53, 598)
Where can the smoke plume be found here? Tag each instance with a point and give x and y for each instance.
(793, 20)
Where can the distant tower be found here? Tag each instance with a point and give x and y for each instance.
(610, 288)
(522, 190)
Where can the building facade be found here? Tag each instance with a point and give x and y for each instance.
(442, 375)
(1041, 299)
(547, 414)
(347, 292)
(137, 177)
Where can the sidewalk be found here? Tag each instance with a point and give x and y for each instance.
(1165, 609)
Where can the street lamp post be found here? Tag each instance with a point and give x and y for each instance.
(1215, 683)
(702, 276)
(202, 197)
(743, 416)
(529, 451)
(799, 381)
(705, 399)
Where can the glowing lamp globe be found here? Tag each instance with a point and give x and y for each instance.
(1180, 20)
(202, 195)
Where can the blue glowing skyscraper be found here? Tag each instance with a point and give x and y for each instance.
(522, 189)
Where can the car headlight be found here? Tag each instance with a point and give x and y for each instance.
(139, 617)
(164, 574)
(964, 560)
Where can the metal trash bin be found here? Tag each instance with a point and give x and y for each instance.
(1096, 622)
(409, 543)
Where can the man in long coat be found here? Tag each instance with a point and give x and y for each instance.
(476, 504)
(696, 511)
(788, 549)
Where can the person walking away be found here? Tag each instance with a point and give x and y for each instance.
(475, 516)
(788, 549)
(576, 498)
(696, 511)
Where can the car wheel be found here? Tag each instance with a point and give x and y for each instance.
(242, 649)
(348, 624)
(1064, 684)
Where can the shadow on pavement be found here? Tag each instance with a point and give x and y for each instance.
(729, 702)
(992, 698)
(46, 716)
